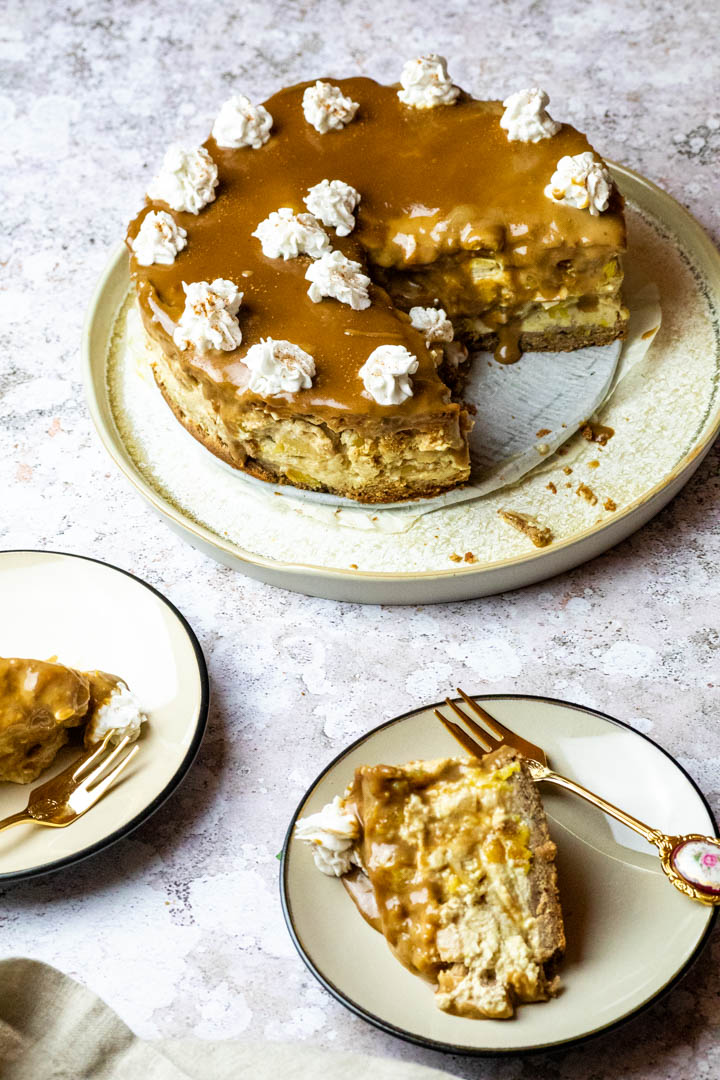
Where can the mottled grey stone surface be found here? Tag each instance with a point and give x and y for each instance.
(179, 927)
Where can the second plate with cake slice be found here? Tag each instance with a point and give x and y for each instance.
(616, 903)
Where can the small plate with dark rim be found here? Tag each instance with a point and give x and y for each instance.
(631, 935)
(89, 615)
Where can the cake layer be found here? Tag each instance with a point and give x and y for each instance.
(358, 457)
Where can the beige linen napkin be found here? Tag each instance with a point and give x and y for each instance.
(52, 1028)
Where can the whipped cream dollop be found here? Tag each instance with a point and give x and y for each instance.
(332, 834)
(285, 235)
(426, 83)
(336, 276)
(525, 118)
(333, 202)
(432, 322)
(581, 181)
(327, 108)
(209, 319)
(186, 181)
(121, 713)
(385, 374)
(278, 367)
(159, 239)
(240, 123)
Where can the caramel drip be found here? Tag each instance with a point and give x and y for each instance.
(439, 185)
(358, 887)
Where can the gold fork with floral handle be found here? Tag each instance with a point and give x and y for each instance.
(691, 862)
(76, 789)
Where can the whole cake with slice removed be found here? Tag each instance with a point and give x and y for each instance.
(452, 861)
(309, 280)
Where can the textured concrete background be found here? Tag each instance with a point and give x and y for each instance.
(179, 927)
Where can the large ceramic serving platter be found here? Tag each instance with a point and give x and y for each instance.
(665, 414)
(90, 615)
(630, 934)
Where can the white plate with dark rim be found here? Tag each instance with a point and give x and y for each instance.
(93, 615)
(462, 581)
(631, 935)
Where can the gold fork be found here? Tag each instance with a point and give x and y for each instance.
(76, 789)
(691, 862)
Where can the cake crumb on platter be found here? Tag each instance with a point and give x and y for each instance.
(586, 493)
(540, 535)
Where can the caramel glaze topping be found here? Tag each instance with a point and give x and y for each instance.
(36, 688)
(404, 893)
(41, 688)
(435, 184)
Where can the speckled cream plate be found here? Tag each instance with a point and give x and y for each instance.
(667, 415)
(91, 615)
(630, 934)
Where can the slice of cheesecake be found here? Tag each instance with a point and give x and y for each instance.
(461, 866)
(41, 702)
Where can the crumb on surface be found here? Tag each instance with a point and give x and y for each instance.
(455, 557)
(610, 504)
(593, 464)
(567, 470)
(539, 534)
(353, 566)
(586, 493)
(596, 433)
(551, 487)
(469, 557)
(543, 431)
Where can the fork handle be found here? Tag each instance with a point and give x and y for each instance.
(542, 772)
(690, 861)
(16, 819)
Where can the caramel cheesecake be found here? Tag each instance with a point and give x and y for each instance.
(310, 278)
(42, 702)
(452, 861)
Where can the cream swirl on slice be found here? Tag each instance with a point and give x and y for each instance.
(331, 834)
(386, 374)
(121, 713)
(209, 320)
(278, 367)
(525, 118)
(433, 323)
(581, 181)
(336, 276)
(186, 181)
(327, 108)
(333, 203)
(240, 123)
(285, 235)
(426, 83)
(159, 239)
